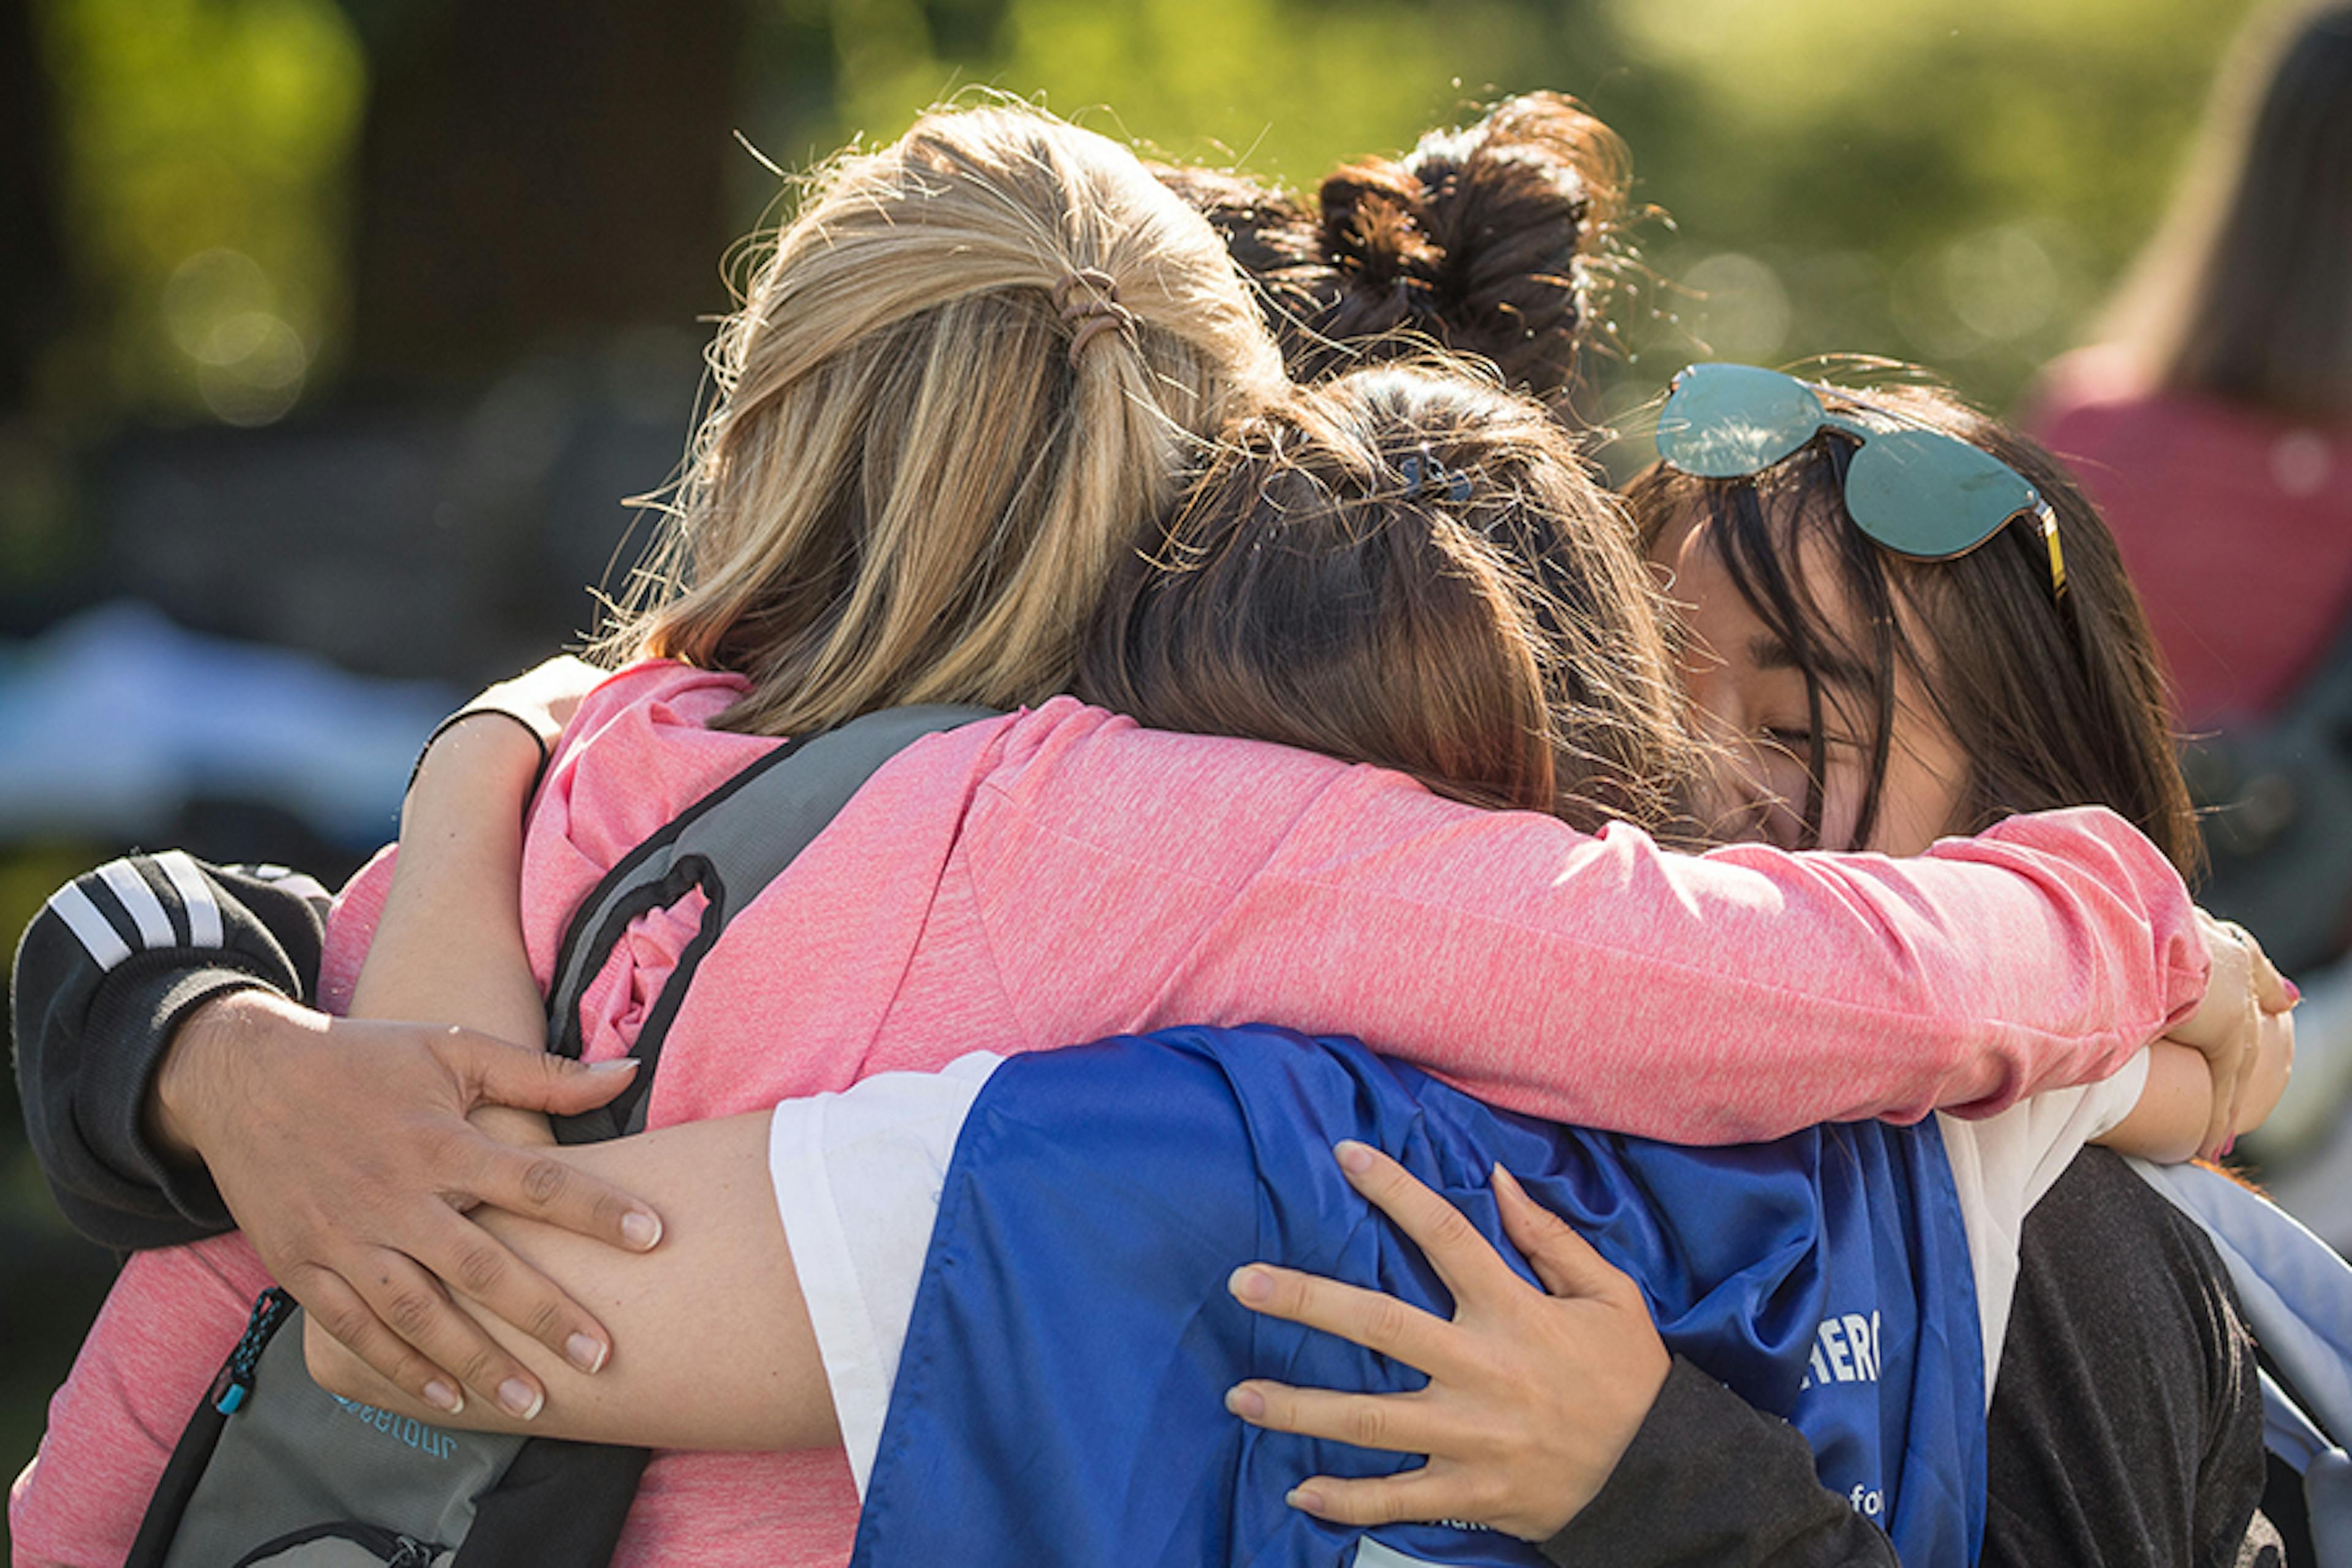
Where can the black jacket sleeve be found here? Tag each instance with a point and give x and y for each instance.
(104, 974)
(1710, 1479)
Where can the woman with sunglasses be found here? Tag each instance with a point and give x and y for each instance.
(1908, 622)
(1855, 727)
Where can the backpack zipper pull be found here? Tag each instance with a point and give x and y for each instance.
(236, 1381)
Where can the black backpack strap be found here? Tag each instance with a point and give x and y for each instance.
(185, 1468)
(731, 844)
(560, 1501)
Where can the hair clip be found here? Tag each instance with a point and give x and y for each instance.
(1420, 467)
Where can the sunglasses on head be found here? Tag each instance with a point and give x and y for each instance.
(1919, 493)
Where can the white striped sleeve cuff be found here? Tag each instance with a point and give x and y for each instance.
(141, 904)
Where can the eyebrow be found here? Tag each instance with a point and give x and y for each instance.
(1767, 651)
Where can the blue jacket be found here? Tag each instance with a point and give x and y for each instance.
(1060, 1396)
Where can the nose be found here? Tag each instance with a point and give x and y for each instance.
(1737, 797)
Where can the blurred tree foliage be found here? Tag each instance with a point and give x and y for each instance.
(1954, 181)
(1957, 180)
(32, 255)
(206, 152)
(534, 172)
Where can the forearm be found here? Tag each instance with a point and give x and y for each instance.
(2175, 1108)
(449, 947)
(712, 1345)
(108, 978)
(1708, 1479)
(2169, 1119)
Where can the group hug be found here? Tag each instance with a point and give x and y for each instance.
(1164, 934)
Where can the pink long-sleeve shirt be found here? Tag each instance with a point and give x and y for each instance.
(1060, 874)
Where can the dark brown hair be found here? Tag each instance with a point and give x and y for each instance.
(1411, 569)
(2054, 703)
(2246, 294)
(1480, 239)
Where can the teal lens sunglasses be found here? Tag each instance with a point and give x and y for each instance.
(1920, 493)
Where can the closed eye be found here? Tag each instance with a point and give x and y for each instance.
(1800, 743)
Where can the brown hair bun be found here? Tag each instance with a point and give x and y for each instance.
(1376, 217)
(1477, 239)
(1505, 215)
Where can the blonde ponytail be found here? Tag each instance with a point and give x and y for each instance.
(923, 462)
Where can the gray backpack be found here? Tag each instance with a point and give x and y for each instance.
(272, 1469)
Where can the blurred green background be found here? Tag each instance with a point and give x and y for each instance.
(346, 325)
(1951, 180)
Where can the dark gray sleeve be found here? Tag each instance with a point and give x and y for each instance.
(1710, 1479)
(105, 974)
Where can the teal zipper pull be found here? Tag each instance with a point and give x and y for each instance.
(270, 1311)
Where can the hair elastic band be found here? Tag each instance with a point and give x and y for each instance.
(1093, 316)
(463, 715)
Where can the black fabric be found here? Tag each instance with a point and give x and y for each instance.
(89, 1039)
(2284, 1505)
(559, 1502)
(1710, 1479)
(2126, 1422)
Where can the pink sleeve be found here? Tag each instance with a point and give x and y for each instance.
(171, 1319)
(350, 926)
(1734, 997)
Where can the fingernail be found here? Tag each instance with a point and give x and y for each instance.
(441, 1396)
(1251, 1283)
(1506, 1182)
(614, 1064)
(2294, 991)
(585, 1353)
(520, 1399)
(640, 1229)
(1354, 1158)
(1246, 1403)
(1304, 1501)
(2227, 1144)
